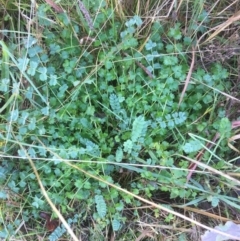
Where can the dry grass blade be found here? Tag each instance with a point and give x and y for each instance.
(223, 26)
(193, 166)
(221, 92)
(57, 8)
(144, 234)
(170, 9)
(222, 174)
(207, 214)
(169, 227)
(232, 139)
(188, 77)
(227, 7)
(235, 124)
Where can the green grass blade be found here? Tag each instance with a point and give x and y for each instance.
(6, 50)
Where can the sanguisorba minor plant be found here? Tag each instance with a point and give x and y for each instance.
(109, 103)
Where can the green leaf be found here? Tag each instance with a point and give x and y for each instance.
(162, 123)
(4, 85)
(170, 60)
(194, 201)
(12, 185)
(150, 45)
(43, 73)
(38, 203)
(3, 195)
(130, 43)
(119, 206)
(116, 224)
(137, 20)
(32, 176)
(108, 64)
(53, 80)
(90, 110)
(54, 48)
(33, 51)
(14, 115)
(42, 16)
(32, 123)
(101, 206)
(22, 184)
(78, 183)
(225, 127)
(69, 66)
(128, 145)
(114, 103)
(21, 153)
(204, 16)
(175, 32)
(22, 64)
(215, 202)
(150, 57)
(119, 155)
(73, 152)
(29, 41)
(138, 129)
(192, 146)
(87, 185)
(63, 17)
(32, 69)
(45, 111)
(187, 41)
(31, 152)
(177, 71)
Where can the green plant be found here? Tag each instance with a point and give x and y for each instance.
(60, 230)
(109, 105)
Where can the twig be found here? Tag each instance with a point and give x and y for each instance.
(142, 67)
